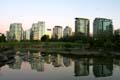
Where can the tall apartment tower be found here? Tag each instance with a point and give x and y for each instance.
(16, 32)
(27, 34)
(57, 32)
(67, 31)
(38, 30)
(102, 27)
(82, 26)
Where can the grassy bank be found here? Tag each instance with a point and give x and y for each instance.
(43, 44)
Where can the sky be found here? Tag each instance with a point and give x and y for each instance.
(56, 12)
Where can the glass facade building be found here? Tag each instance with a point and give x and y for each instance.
(102, 27)
(82, 26)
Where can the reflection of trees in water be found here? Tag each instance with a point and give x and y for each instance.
(103, 67)
(6, 55)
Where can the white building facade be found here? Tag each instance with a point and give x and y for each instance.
(16, 32)
(57, 32)
(38, 30)
(67, 31)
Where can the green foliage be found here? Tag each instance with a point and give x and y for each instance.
(45, 38)
(77, 41)
(2, 38)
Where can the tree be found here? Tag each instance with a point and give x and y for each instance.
(2, 38)
(45, 38)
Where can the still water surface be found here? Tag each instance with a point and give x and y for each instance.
(44, 66)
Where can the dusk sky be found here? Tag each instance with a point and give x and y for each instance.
(56, 12)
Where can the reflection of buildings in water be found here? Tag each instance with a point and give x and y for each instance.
(102, 67)
(17, 63)
(35, 55)
(81, 67)
(47, 59)
(26, 56)
(57, 60)
(116, 62)
(37, 62)
(67, 61)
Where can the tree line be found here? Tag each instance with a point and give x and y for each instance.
(112, 42)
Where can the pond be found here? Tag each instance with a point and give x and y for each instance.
(53, 66)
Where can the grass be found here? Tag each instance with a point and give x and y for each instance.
(43, 44)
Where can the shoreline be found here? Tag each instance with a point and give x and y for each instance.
(59, 47)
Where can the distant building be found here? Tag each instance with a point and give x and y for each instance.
(49, 33)
(67, 31)
(102, 27)
(27, 34)
(38, 30)
(57, 32)
(8, 35)
(16, 32)
(117, 32)
(82, 26)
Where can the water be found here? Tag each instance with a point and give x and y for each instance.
(45, 66)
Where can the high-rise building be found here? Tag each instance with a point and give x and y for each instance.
(32, 36)
(8, 35)
(38, 30)
(16, 32)
(49, 33)
(102, 27)
(117, 32)
(27, 34)
(57, 32)
(82, 26)
(67, 31)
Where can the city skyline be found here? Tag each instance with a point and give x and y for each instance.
(55, 12)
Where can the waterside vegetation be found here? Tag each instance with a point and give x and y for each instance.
(81, 42)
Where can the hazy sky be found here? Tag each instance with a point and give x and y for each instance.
(56, 12)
